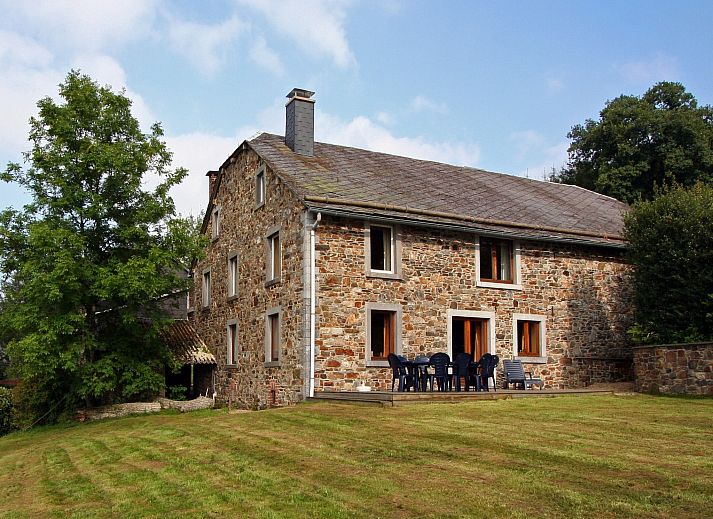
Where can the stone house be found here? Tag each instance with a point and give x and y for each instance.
(324, 258)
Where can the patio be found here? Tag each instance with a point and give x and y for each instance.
(398, 398)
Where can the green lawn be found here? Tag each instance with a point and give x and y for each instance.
(601, 456)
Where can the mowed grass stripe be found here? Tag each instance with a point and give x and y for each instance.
(563, 457)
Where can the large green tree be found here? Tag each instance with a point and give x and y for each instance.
(671, 249)
(84, 263)
(639, 143)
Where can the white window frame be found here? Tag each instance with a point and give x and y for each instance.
(517, 280)
(268, 337)
(260, 187)
(395, 271)
(542, 319)
(233, 275)
(272, 274)
(382, 307)
(232, 337)
(489, 316)
(206, 285)
(215, 223)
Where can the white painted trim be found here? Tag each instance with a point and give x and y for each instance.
(542, 319)
(490, 316)
(517, 285)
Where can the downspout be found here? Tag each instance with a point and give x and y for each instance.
(312, 303)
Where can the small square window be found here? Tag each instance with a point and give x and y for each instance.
(383, 251)
(233, 276)
(206, 289)
(382, 334)
(232, 337)
(274, 260)
(260, 188)
(529, 335)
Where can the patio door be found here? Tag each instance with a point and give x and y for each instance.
(470, 335)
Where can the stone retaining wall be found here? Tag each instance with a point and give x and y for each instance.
(675, 368)
(119, 410)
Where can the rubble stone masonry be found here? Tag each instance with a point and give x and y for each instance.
(675, 369)
(243, 230)
(583, 292)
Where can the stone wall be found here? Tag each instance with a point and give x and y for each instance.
(243, 229)
(583, 292)
(675, 369)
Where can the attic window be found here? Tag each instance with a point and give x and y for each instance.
(260, 188)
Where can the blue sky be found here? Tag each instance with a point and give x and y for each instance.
(495, 85)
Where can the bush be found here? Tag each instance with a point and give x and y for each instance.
(7, 419)
(671, 249)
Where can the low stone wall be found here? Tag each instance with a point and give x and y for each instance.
(119, 410)
(674, 369)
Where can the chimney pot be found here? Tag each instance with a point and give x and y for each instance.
(299, 121)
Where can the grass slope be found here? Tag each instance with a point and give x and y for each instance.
(613, 456)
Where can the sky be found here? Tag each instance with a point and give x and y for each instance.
(495, 85)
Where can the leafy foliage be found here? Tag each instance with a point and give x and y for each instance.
(672, 253)
(7, 423)
(85, 261)
(641, 143)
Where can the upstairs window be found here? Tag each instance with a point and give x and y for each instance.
(206, 289)
(260, 188)
(233, 276)
(215, 230)
(274, 259)
(497, 262)
(381, 248)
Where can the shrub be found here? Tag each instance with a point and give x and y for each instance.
(7, 421)
(671, 249)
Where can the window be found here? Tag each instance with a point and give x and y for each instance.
(471, 331)
(383, 251)
(274, 259)
(260, 188)
(206, 288)
(529, 337)
(272, 337)
(233, 275)
(232, 336)
(383, 333)
(216, 223)
(496, 260)
(498, 263)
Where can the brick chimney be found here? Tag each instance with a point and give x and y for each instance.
(212, 177)
(299, 123)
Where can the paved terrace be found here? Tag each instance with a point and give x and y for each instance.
(390, 399)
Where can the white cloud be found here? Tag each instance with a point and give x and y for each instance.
(538, 157)
(88, 25)
(317, 26)
(267, 58)
(199, 153)
(27, 77)
(362, 132)
(207, 47)
(422, 103)
(661, 67)
(525, 142)
(385, 118)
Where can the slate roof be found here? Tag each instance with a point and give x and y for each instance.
(367, 183)
(185, 344)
